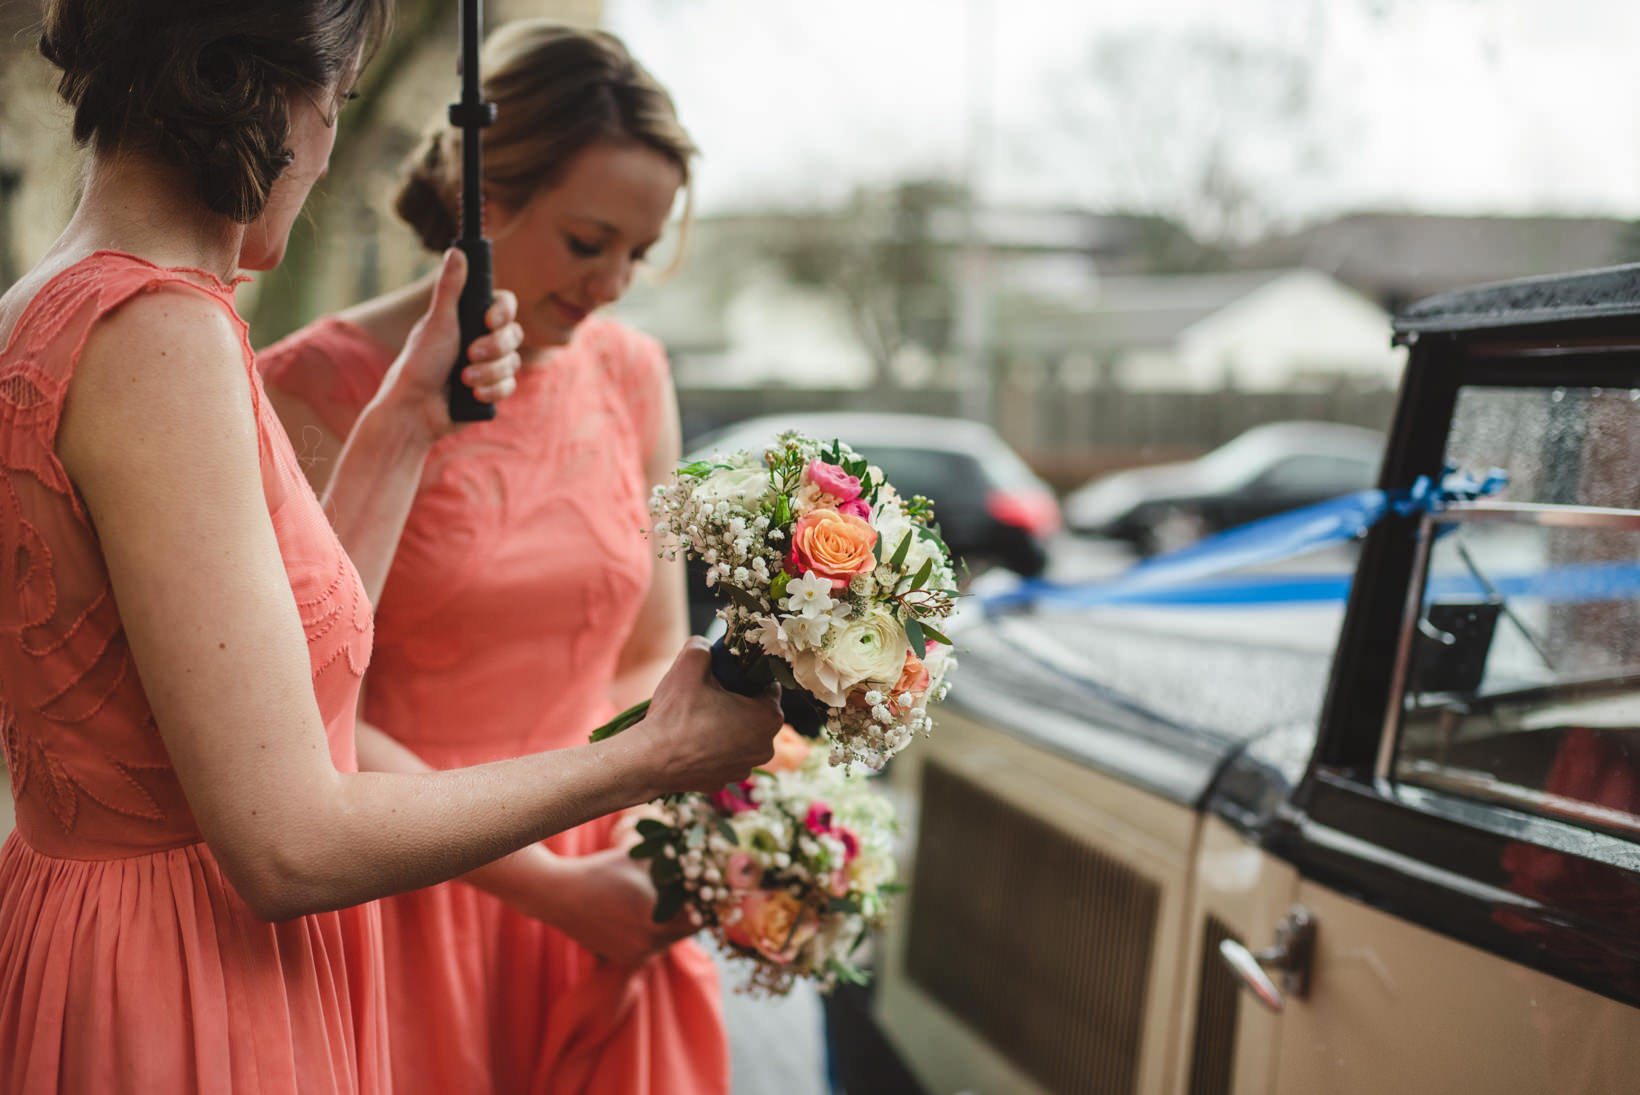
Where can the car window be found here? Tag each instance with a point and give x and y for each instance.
(939, 474)
(1568, 446)
(1318, 474)
(1521, 673)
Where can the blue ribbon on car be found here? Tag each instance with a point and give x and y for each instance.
(1203, 573)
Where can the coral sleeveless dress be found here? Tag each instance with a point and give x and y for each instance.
(519, 576)
(127, 961)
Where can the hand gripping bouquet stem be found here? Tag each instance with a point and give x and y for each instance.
(790, 869)
(838, 588)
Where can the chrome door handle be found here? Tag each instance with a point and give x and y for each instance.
(1290, 956)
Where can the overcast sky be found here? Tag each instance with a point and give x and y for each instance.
(1449, 105)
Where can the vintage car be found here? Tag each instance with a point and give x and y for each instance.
(1384, 844)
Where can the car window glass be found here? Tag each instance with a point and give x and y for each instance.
(942, 475)
(1567, 446)
(1522, 675)
(1316, 474)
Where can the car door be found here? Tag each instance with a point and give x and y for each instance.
(1467, 841)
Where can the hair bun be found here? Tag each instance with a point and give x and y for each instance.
(421, 201)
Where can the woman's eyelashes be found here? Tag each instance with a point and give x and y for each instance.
(582, 249)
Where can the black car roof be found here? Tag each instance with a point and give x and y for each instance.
(1530, 302)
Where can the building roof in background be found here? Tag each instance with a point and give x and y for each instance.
(1132, 312)
(1401, 257)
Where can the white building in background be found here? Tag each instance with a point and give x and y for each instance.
(1300, 329)
(797, 336)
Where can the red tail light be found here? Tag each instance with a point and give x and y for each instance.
(1034, 511)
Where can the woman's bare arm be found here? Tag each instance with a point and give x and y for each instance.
(159, 437)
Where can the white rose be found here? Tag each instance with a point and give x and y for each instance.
(743, 487)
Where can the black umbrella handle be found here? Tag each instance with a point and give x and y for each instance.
(472, 114)
(476, 296)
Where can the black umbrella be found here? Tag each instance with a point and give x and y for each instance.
(472, 114)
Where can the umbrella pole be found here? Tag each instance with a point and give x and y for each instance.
(472, 114)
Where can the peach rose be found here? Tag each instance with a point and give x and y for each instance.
(914, 677)
(791, 749)
(835, 546)
(773, 923)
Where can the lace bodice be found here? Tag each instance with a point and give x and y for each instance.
(89, 770)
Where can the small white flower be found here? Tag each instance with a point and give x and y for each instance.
(782, 860)
(874, 698)
(805, 631)
(809, 595)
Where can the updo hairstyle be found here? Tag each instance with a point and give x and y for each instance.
(203, 84)
(557, 91)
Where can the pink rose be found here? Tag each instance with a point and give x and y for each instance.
(834, 480)
(734, 799)
(857, 507)
(819, 819)
(839, 885)
(743, 872)
(851, 843)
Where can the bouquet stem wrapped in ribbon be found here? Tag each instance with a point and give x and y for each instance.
(837, 589)
(801, 710)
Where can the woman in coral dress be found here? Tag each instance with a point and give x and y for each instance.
(525, 606)
(182, 635)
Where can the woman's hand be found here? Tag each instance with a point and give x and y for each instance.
(697, 735)
(605, 902)
(417, 379)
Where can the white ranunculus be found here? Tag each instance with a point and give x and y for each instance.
(743, 487)
(871, 647)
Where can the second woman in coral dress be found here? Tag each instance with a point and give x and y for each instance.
(524, 606)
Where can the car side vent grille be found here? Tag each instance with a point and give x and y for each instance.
(1033, 937)
(1218, 1004)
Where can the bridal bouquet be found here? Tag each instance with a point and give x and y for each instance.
(837, 588)
(789, 869)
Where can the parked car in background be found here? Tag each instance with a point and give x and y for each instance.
(991, 508)
(1381, 841)
(1267, 470)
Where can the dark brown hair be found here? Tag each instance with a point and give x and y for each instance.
(203, 84)
(557, 90)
